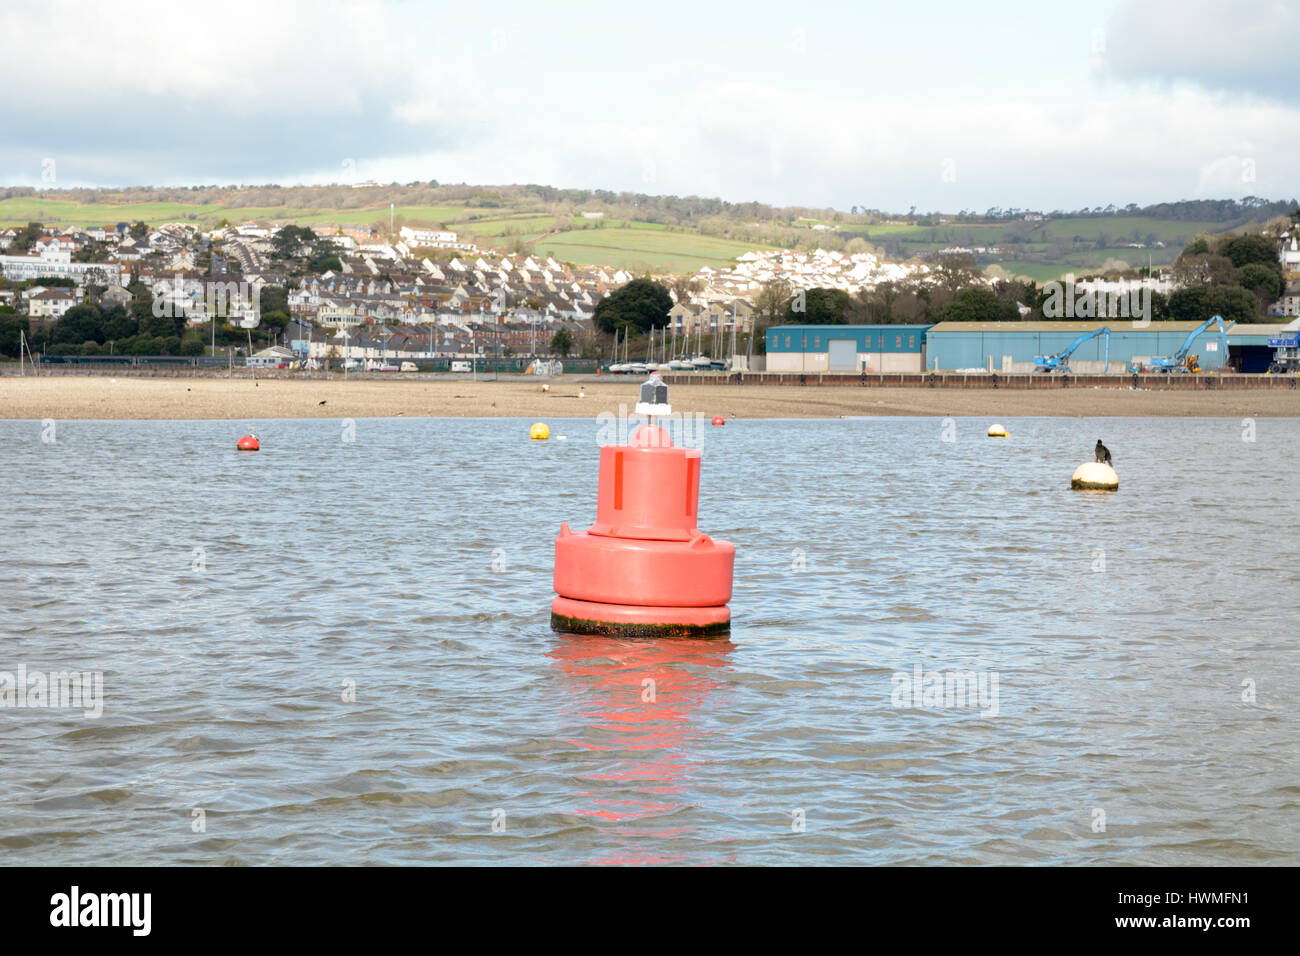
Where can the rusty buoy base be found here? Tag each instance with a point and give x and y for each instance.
(625, 620)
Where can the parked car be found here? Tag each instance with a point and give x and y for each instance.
(460, 366)
(409, 367)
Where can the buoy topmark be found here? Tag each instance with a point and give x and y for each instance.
(539, 432)
(719, 420)
(997, 431)
(248, 443)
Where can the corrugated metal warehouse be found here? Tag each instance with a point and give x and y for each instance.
(1011, 346)
(1249, 344)
(846, 348)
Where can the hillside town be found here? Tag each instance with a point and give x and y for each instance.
(369, 294)
(425, 295)
(348, 292)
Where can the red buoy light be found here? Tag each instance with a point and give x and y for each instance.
(248, 443)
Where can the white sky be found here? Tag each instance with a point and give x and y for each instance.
(886, 105)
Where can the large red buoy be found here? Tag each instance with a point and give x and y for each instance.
(248, 443)
(644, 569)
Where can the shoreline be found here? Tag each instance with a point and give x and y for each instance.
(200, 398)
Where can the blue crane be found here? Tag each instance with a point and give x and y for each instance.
(1181, 361)
(1061, 361)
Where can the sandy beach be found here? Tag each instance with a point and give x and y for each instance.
(105, 397)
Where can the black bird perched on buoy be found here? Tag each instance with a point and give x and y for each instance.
(1103, 453)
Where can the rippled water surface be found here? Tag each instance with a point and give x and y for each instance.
(1127, 634)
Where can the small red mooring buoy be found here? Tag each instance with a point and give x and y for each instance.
(248, 443)
(719, 420)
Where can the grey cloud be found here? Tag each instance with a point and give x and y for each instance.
(1247, 46)
(164, 139)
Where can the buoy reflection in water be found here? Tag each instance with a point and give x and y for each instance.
(636, 704)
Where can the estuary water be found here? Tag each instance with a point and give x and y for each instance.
(337, 650)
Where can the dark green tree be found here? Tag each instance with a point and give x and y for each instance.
(979, 304)
(1159, 307)
(162, 326)
(10, 327)
(561, 343)
(1262, 279)
(142, 304)
(642, 304)
(81, 323)
(1198, 303)
(138, 230)
(118, 323)
(818, 306)
(273, 298)
(192, 343)
(1251, 247)
(291, 241)
(324, 257)
(274, 321)
(28, 235)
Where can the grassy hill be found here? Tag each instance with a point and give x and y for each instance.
(59, 212)
(1047, 250)
(634, 245)
(647, 233)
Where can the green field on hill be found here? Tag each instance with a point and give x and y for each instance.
(1045, 250)
(636, 248)
(506, 227)
(56, 212)
(1041, 250)
(635, 245)
(1088, 228)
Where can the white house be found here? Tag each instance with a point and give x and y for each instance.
(273, 357)
(337, 315)
(55, 244)
(50, 303)
(58, 264)
(428, 237)
(345, 243)
(1289, 254)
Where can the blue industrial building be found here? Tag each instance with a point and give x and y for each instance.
(846, 348)
(1250, 347)
(1011, 346)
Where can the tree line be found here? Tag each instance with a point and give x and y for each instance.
(91, 328)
